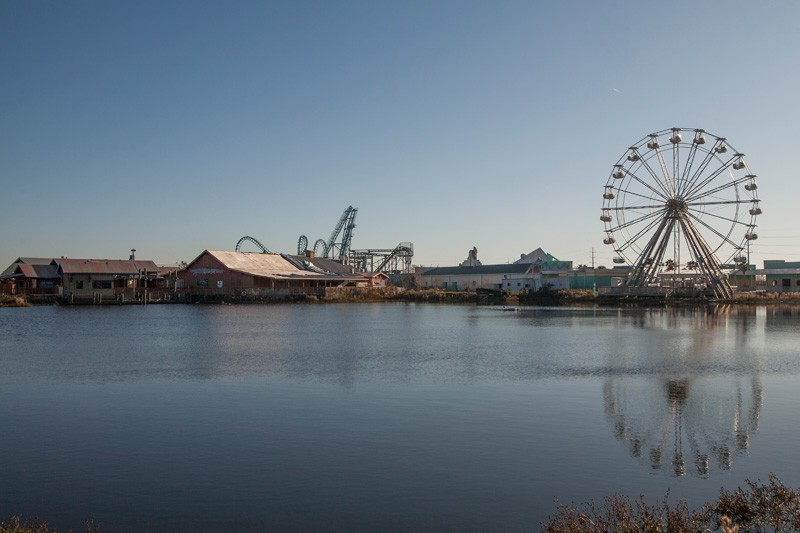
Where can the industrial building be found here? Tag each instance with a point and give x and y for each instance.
(531, 272)
(781, 275)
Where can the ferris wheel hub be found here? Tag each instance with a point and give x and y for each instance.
(677, 205)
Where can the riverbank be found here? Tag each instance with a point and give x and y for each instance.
(568, 297)
(587, 297)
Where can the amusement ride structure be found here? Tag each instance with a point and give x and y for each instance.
(246, 238)
(338, 247)
(678, 201)
(331, 248)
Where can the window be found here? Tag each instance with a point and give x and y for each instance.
(102, 284)
(79, 284)
(203, 282)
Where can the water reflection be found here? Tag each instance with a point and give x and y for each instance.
(678, 421)
(698, 408)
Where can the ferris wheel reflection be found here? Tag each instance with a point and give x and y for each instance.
(696, 412)
(698, 421)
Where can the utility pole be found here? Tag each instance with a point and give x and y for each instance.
(592, 257)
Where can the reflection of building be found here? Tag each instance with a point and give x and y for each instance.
(677, 421)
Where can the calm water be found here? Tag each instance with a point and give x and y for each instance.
(384, 417)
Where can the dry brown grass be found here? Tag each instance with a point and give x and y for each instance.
(760, 507)
(7, 300)
(16, 524)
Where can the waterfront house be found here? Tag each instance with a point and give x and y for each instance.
(30, 276)
(104, 279)
(248, 274)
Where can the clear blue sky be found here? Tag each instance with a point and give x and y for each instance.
(172, 127)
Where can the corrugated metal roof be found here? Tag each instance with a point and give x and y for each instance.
(325, 264)
(274, 266)
(28, 261)
(104, 266)
(514, 268)
(257, 264)
(37, 271)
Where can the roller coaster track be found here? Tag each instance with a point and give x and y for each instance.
(398, 258)
(302, 245)
(263, 248)
(345, 226)
(400, 250)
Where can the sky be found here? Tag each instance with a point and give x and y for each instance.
(172, 127)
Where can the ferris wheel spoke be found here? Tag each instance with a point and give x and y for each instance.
(635, 221)
(626, 192)
(702, 168)
(719, 188)
(647, 185)
(667, 182)
(722, 202)
(732, 220)
(634, 207)
(710, 178)
(689, 164)
(676, 164)
(633, 240)
(656, 178)
(725, 238)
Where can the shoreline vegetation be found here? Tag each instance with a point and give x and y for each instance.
(542, 297)
(13, 301)
(769, 506)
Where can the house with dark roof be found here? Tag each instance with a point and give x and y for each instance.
(80, 279)
(29, 276)
(101, 279)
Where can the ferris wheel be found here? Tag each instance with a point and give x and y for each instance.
(681, 200)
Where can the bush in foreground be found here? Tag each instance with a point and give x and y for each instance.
(760, 507)
(16, 524)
